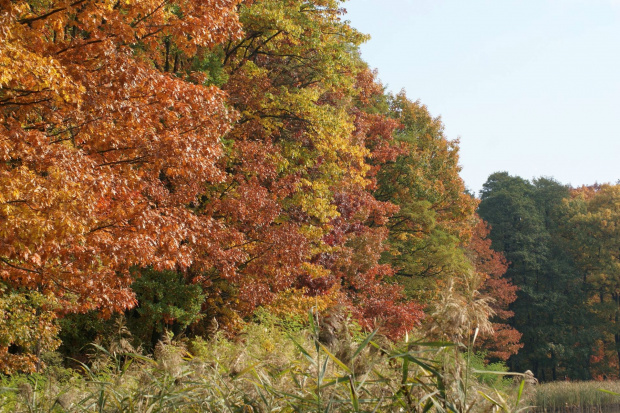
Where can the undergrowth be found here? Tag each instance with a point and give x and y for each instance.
(269, 367)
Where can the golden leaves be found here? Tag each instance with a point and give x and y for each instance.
(28, 321)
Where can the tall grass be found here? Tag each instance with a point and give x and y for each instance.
(577, 396)
(265, 369)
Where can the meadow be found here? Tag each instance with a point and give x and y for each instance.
(581, 396)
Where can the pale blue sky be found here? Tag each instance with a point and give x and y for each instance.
(531, 87)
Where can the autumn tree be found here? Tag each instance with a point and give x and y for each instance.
(591, 230)
(102, 149)
(491, 266)
(294, 196)
(235, 153)
(435, 216)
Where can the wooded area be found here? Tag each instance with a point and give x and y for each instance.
(562, 244)
(182, 162)
(180, 165)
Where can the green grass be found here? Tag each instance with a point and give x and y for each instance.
(576, 396)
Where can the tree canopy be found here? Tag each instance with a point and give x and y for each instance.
(556, 240)
(185, 163)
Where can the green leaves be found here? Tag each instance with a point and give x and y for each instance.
(165, 301)
(28, 323)
(551, 310)
(435, 213)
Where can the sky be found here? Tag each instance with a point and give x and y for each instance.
(531, 87)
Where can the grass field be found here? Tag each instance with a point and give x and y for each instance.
(585, 396)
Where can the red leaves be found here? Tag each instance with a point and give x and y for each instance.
(491, 266)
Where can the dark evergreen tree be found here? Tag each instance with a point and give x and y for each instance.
(550, 310)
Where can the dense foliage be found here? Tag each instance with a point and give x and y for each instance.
(562, 245)
(176, 168)
(185, 163)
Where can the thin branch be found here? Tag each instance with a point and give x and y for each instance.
(4, 260)
(101, 152)
(128, 161)
(22, 201)
(5, 103)
(134, 24)
(46, 15)
(83, 44)
(99, 228)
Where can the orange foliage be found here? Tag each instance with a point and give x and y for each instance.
(116, 152)
(101, 149)
(491, 266)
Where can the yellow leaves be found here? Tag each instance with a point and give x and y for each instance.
(592, 223)
(315, 271)
(272, 14)
(28, 321)
(26, 70)
(296, 302)
(315, 198)
(108, 5)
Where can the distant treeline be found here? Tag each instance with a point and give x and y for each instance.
(563, 249)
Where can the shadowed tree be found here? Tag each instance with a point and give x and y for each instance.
(550, 310)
